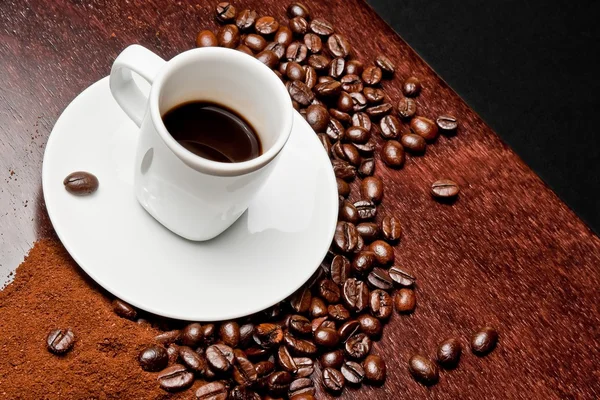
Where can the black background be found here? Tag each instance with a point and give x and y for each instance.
(530, 69)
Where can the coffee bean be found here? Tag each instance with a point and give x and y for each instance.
(245, 49)
(348, 329)
(268, 335)
(386, 65)
(333, 380)
(358, 346)
(373, 95)
(448, 353)
(423, 370)
(370, 325)
(298, 10)
(317, 117)
(168, 337)
(371, 188)
(206, 39)
(268, 57)
(343, 170)
(285, 360)
(357, 134)
(175, 378)
(229, 332)
(228, 36)
(367, 167)
(411, 87)
(264, 368)
(192, 360)
(369, 231)
(372, 75)
(313, 43)
(266, 25)
(380, 279)
(220, 357)
(328, 290)
(328, 89)
(390, 127)
(359, 101)
(246, 332)
(301, 93)
(317, 322)
(283, 36)
(484, 341)
(279, 382)
(336, 68)
(301, 386)
(379, 110)
(338, 45)
(351, 83)
(321, 27)
(256, 353)
(362, 120)
(392, 154)
(296, 52)
(209, 332)
(366, 149)
(295, 72)
(347, 212)
(246, 19)
(345, 237)
(338, 312)
(407, 108)
(255, 42)
(305, 366)
(391, 228)
(364, 262)
(60, 341)
(340, 269)
(192, 335)
(381, 304)
(353, 372)
(343, 117)
(444, 189)
(354, 67)
(334, 129)
(81, 183)
(300, 324)
(405, 301)
(344, 102)
(300, 347)
(366, 209)
(401, 277)
(299, 25)
(123, 309)
(355, 294)
(153, 358)
(225, 12)
(212, 391)
(424, 127)
(447, 123)
(243, 393)
(413, 143)
(326, 337)
(172, 353)
(375, 369)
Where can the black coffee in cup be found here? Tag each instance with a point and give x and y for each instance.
(213, 131)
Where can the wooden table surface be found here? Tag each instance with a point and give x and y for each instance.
(508, 253)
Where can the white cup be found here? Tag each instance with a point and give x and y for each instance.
(194, 197)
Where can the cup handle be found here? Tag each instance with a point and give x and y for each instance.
(128, 95)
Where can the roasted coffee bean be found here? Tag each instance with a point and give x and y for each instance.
(305, 366)
(413, 143)
(277, 48)
(355, 294)
(285, 360)
(300, 324)
(296, 52)
(338, 312)
(347, 152)
(333, 380)
(345, 238)
(448, 353)
(301, 387)
(320, 62)
(321, 27)
(220, 357)
(209, 332)
(192, 360)
(81, 183)
(392, 154)
(246, 332)
(212, 391)
(379, 110)
(484, 341)
(299, 25)
(192, 335)
(348, 212)
(351, 83)
(226, 12)
(246, 19)
(407, 108)
(340, 269)
(366, 167)
(317, 117)
(354, 67)
(370, 325)
(328, 89)
(383, 252)
(332, 359)
(266, 25)
(295, 72)
(313, 43)
(323, 79)
(344, 170)
(344, 102)
(300, 301)
(298, 346)
(411, 87)
(361, 119)
(334, 129)
(206, 39)
(364, 262)
(391, 228)
(268, 57)
(353, 372)
(348, 329)
(153, 358)
(371, 188)
(444, 189)
(343, 117)
(123, 309)
(301, 93)
(423, 370)
(358, 346)
(375, 369)
(256, 353)
(401, 277)
(380, 279)
(169, 337)
(372, 75)
(343, 187)
(268, 335)
(359, 101)
(373, 95)
(369, 231)
(311, 76)
(326, 337)
(329, 291)
(366, 149)
(317, 322)
(60, 341)
(338, 45)
(325, 142)
(447, 123)
(255, 42)
(243, 393)
(357, 134)
(228, 36)
(245, 49)
(229, 332)
(298, 10)
(366, 209)
(264, 368)
(390, 127)
(386, 65)
(424, 127)
(279, 382)
(405, 301)
(284, 36)
(337, 67)
(175, 378)
(327, 324)
(172, 353)
(381, 304)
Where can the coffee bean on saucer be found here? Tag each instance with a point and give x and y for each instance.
(353, 372)
(390, 127)
(225, 12)
(332, 359)
(370, 325)
(447, 123)
(386, 65)
(392, 154)
(321, 27)
(405, 301)
(229, 332)
(298, 10)
(369, 231)
(123, 309)
(355, 294)
(246, 19)
(372, 75)
(219, 357)
(338, 45)
(298, 25)
(313, 43)
(407, 108)
(484, 341)
(175, 378)
(60, 341)
(381, 304)
(81, 183)
(401, 277)
(317, 117)
(411, 87)
(266, 25)
(301, 93)
(448, 353)
(391, 228)
(375, 369)
(333, 380)
(413, 143)
(153, 358)
(371, 188)
(423, 370)
(383, 252)
(192, 335)
(424, 127)
(212, 391)
(206, 39)
(444, 189)
(228, 36)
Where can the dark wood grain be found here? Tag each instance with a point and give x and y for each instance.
(508, 253)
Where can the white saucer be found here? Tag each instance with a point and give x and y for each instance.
(264, 257)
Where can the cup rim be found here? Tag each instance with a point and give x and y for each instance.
(202, 164)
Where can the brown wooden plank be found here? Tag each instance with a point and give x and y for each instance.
(508, 253)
